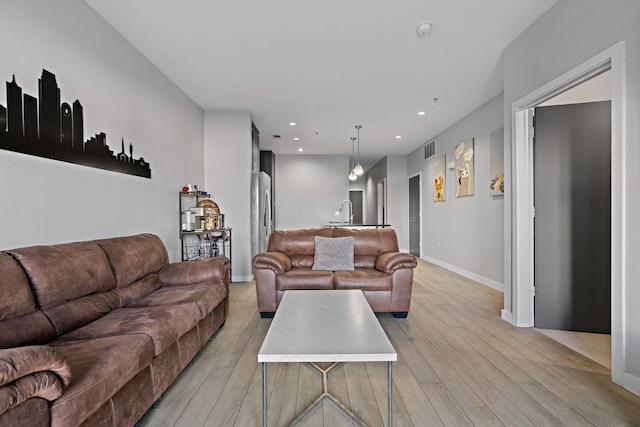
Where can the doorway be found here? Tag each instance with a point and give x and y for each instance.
(356, 197)
(519, 303)
(415, 224)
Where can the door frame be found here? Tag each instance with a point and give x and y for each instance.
(419, 175)
(382, 211)
(522, 195)
(359, 190)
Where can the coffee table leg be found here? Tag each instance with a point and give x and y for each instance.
(264, 394)
(390, 393)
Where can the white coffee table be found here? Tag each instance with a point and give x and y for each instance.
(325, 326)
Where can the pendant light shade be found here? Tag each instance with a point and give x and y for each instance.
(352, 173)
(358, 170)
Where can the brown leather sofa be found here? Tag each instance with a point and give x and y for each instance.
(384, 274)
(91, 333)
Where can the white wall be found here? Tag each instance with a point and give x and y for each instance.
(569, 34)
(227, 176)
(310, 189)
(44, 201)
(394, 170)
(397, 199)
(464, 234)
(374, 176)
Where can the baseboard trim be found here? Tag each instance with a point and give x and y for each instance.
(473, 276)
(507, 316)
(242, 278)
(631, 382)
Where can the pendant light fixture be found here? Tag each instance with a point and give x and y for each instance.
(352, 173)
(358, 167)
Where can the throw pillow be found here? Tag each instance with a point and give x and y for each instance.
(333, 253)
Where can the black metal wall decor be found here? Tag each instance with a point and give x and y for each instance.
(55, 131)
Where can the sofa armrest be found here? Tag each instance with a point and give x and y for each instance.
(277, 262)
(33, 371)
(206, 270)
(392, 261)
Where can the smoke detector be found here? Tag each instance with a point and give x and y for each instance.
(424, 28)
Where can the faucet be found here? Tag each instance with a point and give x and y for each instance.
(350, 210)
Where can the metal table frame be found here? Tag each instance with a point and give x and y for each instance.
(326, 326)
(326, 395)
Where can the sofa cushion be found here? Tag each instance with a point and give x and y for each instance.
(61, 273)
(206, 297)
(301, 261)
(367, 279)
(137, 289)
(20, 322)
(296, 242)
(333, 253)
(163, 324)
(17, 299)
(30, 329)
(304, 278)
(370, 241)
(77, 313)
(100, 367)
(133, 257)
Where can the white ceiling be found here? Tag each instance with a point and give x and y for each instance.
(329, 65)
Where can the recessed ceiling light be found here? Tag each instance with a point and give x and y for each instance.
(296, 139)
(398, 137)
(421, 113)
(300, 150)
(292, 124)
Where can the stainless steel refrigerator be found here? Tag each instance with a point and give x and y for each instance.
(261, 221)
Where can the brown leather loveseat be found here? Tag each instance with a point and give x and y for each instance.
(91, 333)
(384, 274)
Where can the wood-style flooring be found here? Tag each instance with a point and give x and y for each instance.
(458, 364)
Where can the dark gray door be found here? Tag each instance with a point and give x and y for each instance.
(572, 167)
(356, 201)
(414, 215)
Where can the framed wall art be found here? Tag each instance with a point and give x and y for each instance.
(438, 165)
(464, 168)
(496, 162)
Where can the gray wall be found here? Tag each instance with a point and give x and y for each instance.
(464, 234)
(394, 170)
(569, 34)
(310, 189)
(44, 201)
(227, 176)
(374, 175)
(397, 199)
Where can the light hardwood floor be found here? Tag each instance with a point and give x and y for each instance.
(458, 364)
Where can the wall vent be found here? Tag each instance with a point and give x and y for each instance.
(430, 149)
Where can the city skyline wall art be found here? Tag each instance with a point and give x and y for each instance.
(45, 127)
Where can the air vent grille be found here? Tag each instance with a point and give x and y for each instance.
(430, 149)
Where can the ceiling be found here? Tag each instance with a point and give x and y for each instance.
(332, 64)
